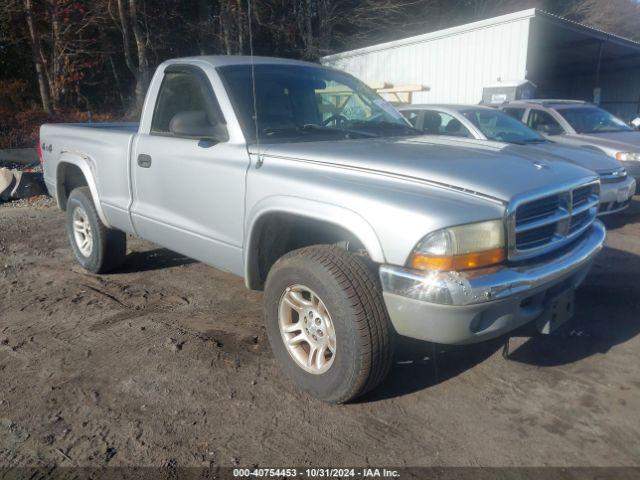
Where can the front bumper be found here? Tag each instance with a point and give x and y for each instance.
(459, 308)
(633, 168)
(615, 197)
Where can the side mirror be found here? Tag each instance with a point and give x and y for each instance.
(194, 123)
(635, 123)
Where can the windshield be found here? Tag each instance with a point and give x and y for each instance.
(496, 125)
(298, 103)
(592, 120)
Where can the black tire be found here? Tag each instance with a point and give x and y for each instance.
(109, 246)
(352, 294)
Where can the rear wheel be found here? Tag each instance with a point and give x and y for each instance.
(97, 248)
(327, 323)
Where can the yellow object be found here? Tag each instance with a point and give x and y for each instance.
(468, 261)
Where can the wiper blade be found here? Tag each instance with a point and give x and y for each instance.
(519, 141)
(314, 128)
(397, 125)
(387, 124)
(271, 131)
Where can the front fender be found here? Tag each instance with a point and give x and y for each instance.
(312, 209)
(86, 166)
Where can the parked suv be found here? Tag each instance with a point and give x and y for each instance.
(581, 124)
(484, 124)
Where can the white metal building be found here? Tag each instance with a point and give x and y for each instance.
(563, 58)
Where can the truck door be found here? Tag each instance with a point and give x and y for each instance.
(188, 179)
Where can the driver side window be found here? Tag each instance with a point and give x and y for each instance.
(543, 122)
(185, 94)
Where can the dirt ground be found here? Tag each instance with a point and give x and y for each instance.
(167, 363)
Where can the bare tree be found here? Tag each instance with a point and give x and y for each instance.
(63, 47)
(128, 20)
(231, 19)
(305, 11)
(618, 16)
(103, 51)
(38, 58)
(141, 46)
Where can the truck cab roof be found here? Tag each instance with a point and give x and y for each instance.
(228, 60)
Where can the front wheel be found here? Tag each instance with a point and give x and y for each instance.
(327, 323)
(97, 248)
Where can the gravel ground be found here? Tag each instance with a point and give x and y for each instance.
(166, 363)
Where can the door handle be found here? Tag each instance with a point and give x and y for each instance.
(144, 161)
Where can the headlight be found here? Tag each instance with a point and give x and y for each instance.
(463, 247)
(628, 156)
(615, 175)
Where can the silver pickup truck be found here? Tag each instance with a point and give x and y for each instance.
(314, 189)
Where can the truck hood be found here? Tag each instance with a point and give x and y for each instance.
(614, 141)
(494, 169)
(589, 159)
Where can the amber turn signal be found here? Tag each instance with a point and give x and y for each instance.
(468, 261)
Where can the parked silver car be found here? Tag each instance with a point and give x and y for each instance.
(488, 124)
(581, 124)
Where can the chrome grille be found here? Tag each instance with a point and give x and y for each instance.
(535, 237)
(541, 224)
(581, 196)
(579, 220)
(536, 210)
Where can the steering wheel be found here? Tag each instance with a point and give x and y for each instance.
(338, 118)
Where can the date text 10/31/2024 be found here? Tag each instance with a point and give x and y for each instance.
(316, 473)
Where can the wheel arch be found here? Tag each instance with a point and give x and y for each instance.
(300, 222)
(74, 170)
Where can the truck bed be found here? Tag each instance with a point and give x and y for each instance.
(105, 149)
